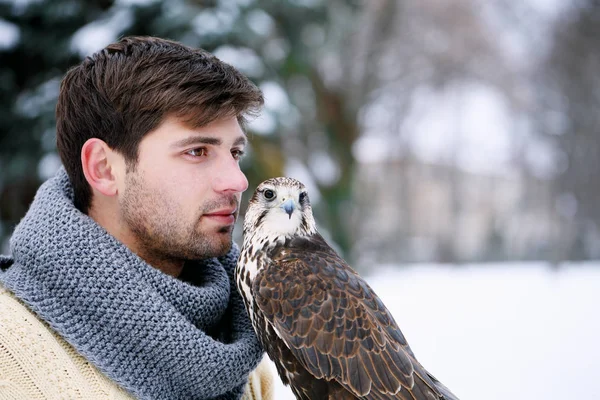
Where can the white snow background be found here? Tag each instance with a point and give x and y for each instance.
(499, 331)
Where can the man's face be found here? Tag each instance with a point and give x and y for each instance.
(182, 199)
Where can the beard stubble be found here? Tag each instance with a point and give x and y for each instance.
(163, 231)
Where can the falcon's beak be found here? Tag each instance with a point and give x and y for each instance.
(289, 206)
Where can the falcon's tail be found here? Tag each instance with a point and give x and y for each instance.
(448, 395)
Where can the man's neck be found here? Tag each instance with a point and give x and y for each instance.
(168, 266)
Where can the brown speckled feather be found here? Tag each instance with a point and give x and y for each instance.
(336, 326)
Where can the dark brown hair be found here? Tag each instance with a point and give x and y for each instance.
(125, 91)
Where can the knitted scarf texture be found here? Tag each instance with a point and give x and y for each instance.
(156, 336)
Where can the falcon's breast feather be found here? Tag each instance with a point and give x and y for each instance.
(328, 333)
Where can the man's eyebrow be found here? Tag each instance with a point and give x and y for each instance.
(210, 140)
(241, 141)
(197, 140)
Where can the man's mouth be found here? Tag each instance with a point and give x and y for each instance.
(224, 216)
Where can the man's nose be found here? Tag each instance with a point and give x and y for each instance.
(230, 178)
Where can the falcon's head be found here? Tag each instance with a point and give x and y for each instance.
(280, 207)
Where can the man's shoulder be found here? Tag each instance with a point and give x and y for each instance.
(15, 316)
(35, 362)
(13, 313)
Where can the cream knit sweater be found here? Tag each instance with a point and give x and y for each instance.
(36, 363)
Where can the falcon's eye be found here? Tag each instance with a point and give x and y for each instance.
(269, 194)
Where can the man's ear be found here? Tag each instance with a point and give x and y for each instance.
(97, 160)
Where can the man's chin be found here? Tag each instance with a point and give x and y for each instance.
(224, 249)
(221, 247)
(216, 243)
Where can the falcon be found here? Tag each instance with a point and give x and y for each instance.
(328, 333)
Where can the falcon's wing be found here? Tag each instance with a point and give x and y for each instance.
(335, 325)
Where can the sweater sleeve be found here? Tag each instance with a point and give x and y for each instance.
(36, 363)
(260, 382)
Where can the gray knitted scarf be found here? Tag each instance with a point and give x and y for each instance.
(156, 336)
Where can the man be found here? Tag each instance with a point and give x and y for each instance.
(120, 280)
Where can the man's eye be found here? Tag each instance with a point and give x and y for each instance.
(199, 152)
(237, 154)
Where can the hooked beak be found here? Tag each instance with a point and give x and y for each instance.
(289, 206)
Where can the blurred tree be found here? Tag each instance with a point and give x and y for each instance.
(278, 44)
(407, 49)
(34, 54)
(333, 72)
(569, 92)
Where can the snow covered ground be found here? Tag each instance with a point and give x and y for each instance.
(499, 331)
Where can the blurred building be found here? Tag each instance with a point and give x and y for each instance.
(410, 211)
